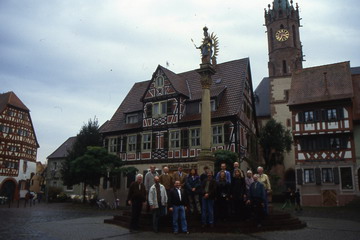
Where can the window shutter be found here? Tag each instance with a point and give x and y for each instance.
(301, 117)
(324, 115)
(124, 144)
(166, 140)
(106, 143)
(343, 142)
(336, 175)
(118, 147)
(299, 176)
(149, 110)
(227, 133)
(317, 176)
(138, 143)
(340, 113)
(317, 116)
(184, 138)
(153, 140)
(169, 106)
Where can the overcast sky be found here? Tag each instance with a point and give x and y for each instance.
(72, 60)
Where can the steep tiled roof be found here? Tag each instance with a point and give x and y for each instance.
(322, 83)
(62, 151)
(262, 98)
(10, 98)
(229, 79)
(356, 99)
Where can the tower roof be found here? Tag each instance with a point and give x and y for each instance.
(10, 98)
(281, 4)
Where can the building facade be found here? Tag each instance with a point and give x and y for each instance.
(323, 131)
(18, 147)
(159, 120)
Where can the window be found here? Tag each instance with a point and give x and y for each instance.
(146, 141)
(309, 176)
(309, 116)
(334, 143)
(113, 143)
(195, 137)
(159, 81)
(331, 114)
(217, 134)
(159, 109)
(212, 106)
(132, 118)
(54, 165)
(132, 143)
(327, 175)
(346, 178)
(174, 139)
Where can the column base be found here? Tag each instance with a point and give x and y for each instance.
(206, 158)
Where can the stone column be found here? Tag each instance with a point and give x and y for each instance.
(206, 157)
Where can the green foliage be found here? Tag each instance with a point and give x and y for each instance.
(53, 192)
(274, 140)
(225, 156)
(88, 136)
(62, 197)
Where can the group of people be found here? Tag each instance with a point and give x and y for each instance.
(207, 194)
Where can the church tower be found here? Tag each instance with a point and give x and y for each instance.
(285, 51)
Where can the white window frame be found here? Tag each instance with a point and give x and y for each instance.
(309, 116)
(325, 174)
(159, 109)
(159, 81)
(174, 139)
(195, 140)
(131, 143)
(217, 137)
(132, 118)
(331, 114)
(146, 143)
(113, 144)
(309, 177)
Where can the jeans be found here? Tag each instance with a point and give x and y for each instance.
(207, 216)
(179, 211)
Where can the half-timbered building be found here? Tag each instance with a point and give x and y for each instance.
(322, 115)
(159, 120)
(18, 146)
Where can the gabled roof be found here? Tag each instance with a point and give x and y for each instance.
(356, 99)
(11, 99)
(262, 98)
(229, 80)
(322, 83)
(355, 70)
(63, 150)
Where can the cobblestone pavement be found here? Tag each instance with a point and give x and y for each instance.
(70, 221)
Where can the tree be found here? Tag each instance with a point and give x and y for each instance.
(274, 140)
(88, 136)
(225, 156)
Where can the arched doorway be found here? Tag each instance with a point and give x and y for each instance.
(8, 189)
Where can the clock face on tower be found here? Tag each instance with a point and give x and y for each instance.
(282, 35)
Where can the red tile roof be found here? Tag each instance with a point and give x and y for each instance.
(228, 80)
(322, 83)
(10, 98)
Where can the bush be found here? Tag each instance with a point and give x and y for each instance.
(62, 197)
(53, 192)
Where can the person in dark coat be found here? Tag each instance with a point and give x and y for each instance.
(238, 194)
(136, 198)
(208, 193)
(178, 205)
(193, 186)
(297, 200)
(222, 196)
(256, 199)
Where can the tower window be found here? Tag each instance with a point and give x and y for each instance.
(284, 66)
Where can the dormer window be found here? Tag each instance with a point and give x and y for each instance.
(159, 81)
(159, 109)
(132, 118)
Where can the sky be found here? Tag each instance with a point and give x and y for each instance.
(73, 60)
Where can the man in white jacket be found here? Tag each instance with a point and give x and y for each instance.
(157, 201)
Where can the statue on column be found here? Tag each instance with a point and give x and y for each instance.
(209, 47)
